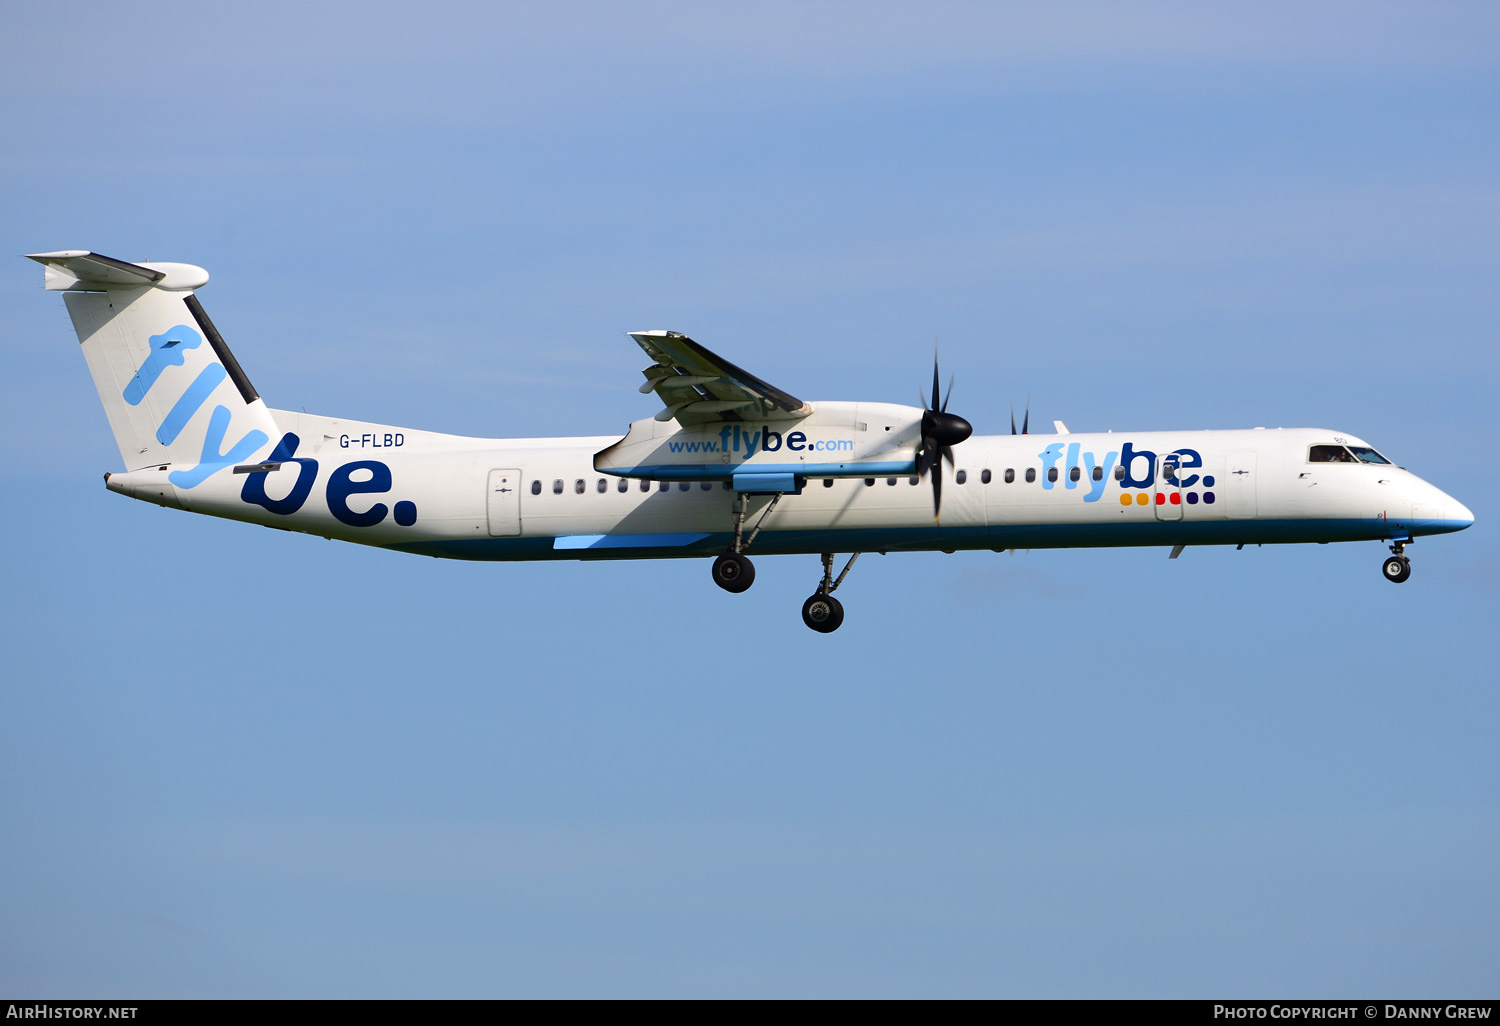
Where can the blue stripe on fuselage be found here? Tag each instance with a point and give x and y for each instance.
(723, 471)
(998, 536)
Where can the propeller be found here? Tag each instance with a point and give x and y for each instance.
(1025, 421)
(941, 431)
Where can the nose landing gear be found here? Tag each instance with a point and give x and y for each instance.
(1397, 568)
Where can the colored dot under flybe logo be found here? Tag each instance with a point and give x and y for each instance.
(1175, 498)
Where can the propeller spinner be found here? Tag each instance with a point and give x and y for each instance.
(941, 431)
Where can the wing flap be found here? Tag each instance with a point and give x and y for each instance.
(697, 386)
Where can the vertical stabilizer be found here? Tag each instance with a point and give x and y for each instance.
(173, 392)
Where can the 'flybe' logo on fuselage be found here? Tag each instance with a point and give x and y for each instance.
(748, 441)
(361, 477)
(1132, 468)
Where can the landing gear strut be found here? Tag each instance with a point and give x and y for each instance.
(733, 571)
(822, 612)
(1397, 568)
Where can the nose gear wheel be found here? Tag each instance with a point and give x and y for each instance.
(1396, 568)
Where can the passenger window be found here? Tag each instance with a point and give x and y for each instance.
(1098, 474)
(984, 476)
(728, 487)
(828, 482)
(683, 486)
(1074, 474)
(603, 486)
(557, 487)
(707, 486)
(913, 479)
(664, 486)
(1329, 454)
(624, 485)
(1010, 475)
(1120, 472)
(1052, 474)
(869, 482)
(1030, 474)
(645, 485)
(961, 476)
(890, 480)
(579, 487)
(536, 486)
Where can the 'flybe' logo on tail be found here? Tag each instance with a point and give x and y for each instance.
(169, 349)
(362, 477)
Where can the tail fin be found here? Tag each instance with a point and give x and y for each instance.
(173, 392)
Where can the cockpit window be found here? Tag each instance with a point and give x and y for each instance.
(1330, 454)
(1365, 454)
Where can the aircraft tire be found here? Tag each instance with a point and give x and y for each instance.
(823, 613)
(733, 572)
(1396, 569)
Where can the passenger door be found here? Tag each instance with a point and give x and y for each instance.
(504, 503)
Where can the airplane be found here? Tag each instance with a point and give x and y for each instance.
(729, 465)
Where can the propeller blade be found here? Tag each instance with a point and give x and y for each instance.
(927, 456)
(1026, 421)
(1013, 417)
(941, 431)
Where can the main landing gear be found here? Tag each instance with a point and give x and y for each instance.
(733, 571)
(822, 612)
(1397, 568)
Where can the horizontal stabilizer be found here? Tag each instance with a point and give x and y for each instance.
(78, 270)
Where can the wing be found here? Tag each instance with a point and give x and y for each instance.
(697, 387)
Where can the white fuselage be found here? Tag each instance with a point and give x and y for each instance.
(499, 499)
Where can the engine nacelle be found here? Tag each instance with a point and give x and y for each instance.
(833, 440)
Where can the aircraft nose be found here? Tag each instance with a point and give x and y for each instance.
(1457, 514)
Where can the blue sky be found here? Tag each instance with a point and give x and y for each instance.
(243, 763)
